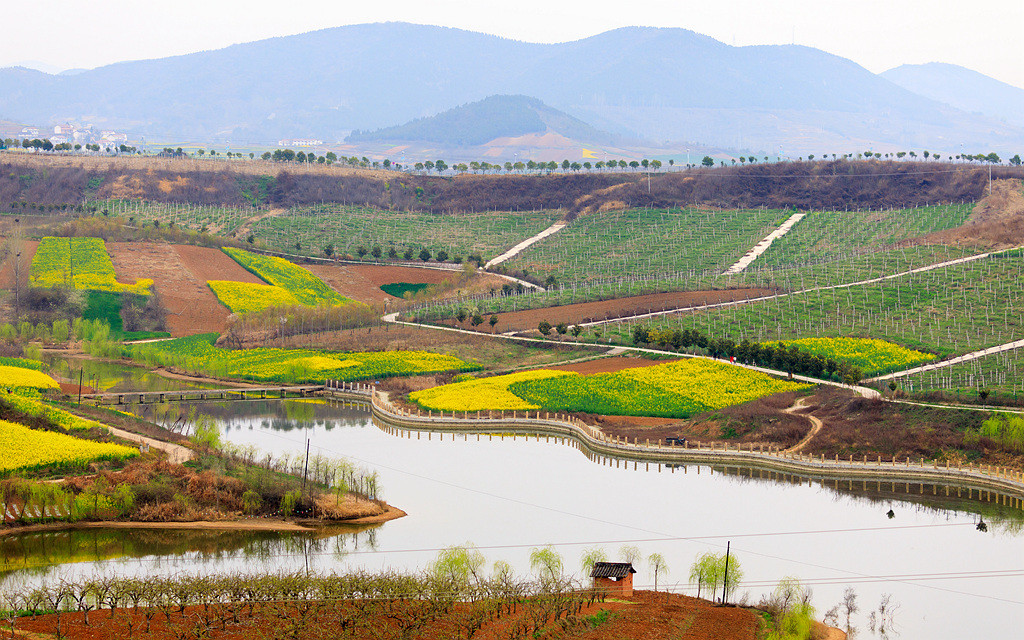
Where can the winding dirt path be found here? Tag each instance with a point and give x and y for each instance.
(816, 426)
(176, 454)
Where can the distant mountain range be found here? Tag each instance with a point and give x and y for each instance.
(478, 123)
(962, 88)
(672, 86)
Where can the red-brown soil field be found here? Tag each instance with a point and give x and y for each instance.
(647, 616)
(362, 282)
(28, 251)
(179, 274)
(617, 308)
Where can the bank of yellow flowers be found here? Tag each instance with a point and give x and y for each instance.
(27, 449)
(672, 390)
(870, 355)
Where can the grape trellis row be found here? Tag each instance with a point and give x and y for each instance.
(951, 310)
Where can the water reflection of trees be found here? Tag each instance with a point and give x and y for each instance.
(1004, 510)
(943, 500)
(37, 556)
(278, 415)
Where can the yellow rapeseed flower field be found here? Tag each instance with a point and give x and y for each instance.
(27, 449)
(243, 297)
(34, 407)
(675, 389)
(17, 378)
(483, 394)
(870, 355)
(306, 287)
(82, 262)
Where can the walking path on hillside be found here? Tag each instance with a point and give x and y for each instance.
(176, 454)
(762, 246)
(967, 357)
(816, 426)
(553, 229)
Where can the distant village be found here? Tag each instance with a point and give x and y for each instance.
(64, 137)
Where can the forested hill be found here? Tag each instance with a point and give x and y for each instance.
(28, 184)
(478, 123)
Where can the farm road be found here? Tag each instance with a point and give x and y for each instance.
(816, 426)
(176, 454)
(863, 391)
(762, 246)
(930, 267)
(553, 229)
(967, 357)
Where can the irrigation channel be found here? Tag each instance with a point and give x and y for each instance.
(508, 490)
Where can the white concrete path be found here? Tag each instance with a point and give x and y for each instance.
(863, 391)
(553, 229)
(762, 246)
(967, 357)
(931, 267)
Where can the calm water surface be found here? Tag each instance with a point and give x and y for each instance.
(510, 495)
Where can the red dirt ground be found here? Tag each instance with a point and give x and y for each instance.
(179, 275)
(619, 307)
(362, 282)
(645, 616)
(28, 252)
(213, 264)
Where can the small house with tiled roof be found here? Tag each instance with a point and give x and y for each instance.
(614, 578)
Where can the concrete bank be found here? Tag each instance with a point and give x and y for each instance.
(597, 445)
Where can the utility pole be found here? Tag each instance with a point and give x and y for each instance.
(725, 576)
(305, 471)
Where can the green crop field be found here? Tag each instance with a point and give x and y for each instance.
(198, 354)
(951, 310)
(347, 227)
(224, 221)
(1000, 373)
(840, 271)
(827, 235)
(646, 241)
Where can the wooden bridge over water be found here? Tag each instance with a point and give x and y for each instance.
(221, 395)
(203, 395)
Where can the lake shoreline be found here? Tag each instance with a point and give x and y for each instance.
(244, 524)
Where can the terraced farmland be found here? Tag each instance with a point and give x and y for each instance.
(952, 310)
(609, 244)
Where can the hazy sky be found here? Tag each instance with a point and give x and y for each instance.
(878, 34)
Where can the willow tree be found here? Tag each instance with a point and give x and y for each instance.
(590, 557)
(547, 563)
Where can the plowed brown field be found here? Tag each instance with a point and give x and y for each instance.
(647, 616)
(28, 251)
(362, 282)
(179, 275)
(619, 307)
